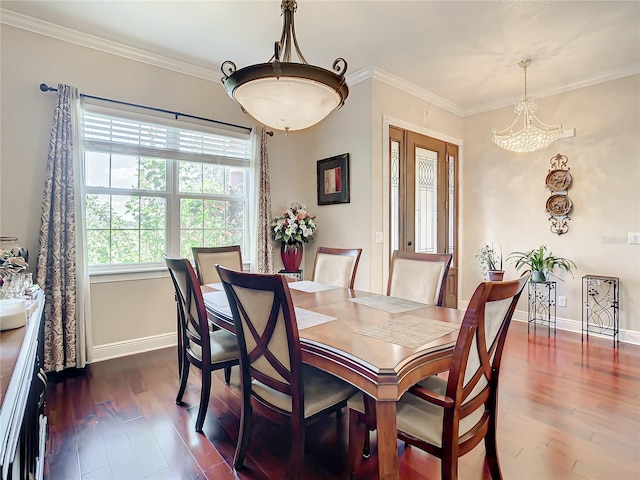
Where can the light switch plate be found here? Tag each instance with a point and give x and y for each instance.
(379, 237)
(634, 238)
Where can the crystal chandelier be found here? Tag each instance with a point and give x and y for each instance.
(535, 134)
(287, 95)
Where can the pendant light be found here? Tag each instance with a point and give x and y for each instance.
(283, 94)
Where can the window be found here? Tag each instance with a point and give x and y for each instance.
(151, 188)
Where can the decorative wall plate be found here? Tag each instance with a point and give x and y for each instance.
(559, 205)
(558, 180)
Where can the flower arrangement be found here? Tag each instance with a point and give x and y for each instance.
(295, 225)
(12, 261)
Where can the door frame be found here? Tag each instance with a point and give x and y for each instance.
(387, 121)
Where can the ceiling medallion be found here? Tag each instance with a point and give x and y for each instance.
(287, 95)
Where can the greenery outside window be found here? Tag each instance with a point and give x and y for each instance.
(151, 188)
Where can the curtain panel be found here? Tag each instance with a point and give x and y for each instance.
(60, 270)
(264, 243)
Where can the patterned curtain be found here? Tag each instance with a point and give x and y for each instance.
(57, 269)
(264, 243)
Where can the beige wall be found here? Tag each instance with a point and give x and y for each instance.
(133, 315)
(127, 315)
(505, 194)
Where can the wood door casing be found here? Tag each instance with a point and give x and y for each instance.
(403, 145)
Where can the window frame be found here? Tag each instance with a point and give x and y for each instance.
(172, 194)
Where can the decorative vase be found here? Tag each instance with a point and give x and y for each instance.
(538, 276)
(291, 254)
(496, 275)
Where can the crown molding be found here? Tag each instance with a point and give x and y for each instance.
(65, 34)
(587, 82)
(402, 84)
(24, 22)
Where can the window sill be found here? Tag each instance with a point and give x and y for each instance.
(125, 275)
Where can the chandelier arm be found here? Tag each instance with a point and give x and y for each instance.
(509, 129)
(340, 66)
(232, 69)
(546, 125)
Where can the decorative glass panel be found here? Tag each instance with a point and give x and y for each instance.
(426, 188)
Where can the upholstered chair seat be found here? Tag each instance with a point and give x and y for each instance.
(321, 391)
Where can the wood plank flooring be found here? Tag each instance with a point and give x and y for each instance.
(568, 410)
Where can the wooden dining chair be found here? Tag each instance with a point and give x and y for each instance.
(336, 266)
(206, 258)
(197, 344)
(449, 417)
(275, 383)
(420, 277)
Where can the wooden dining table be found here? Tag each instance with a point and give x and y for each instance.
(343, 345)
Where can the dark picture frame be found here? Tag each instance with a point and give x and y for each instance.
(333, 180)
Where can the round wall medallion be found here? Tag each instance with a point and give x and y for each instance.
(559, 205)
(558, 180)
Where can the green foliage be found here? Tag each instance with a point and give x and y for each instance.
(541, 260)
(132, 228)
(489, 259)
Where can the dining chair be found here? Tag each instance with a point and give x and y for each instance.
(420, 277)
(206, 259)
(275, 383)
(449, 417)
(197, 344)
(336, 266)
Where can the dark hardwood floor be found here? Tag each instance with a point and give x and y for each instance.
(567, 410)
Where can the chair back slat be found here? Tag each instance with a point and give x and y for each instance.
(267, 330)
(191, 308)
(478, 351)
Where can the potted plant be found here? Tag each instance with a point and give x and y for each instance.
(490, 262)
(542, 263)
(293, 228)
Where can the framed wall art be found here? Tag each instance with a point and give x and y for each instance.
(333, 180)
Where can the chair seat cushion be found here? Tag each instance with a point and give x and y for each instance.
(321, 391)
(420, 418)
(224, 347)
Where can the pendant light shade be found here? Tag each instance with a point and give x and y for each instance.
(287, 95)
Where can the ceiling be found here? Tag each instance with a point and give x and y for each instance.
(462, 55)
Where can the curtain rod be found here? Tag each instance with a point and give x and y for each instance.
(46, 88)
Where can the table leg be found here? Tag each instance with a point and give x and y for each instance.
(387, 444)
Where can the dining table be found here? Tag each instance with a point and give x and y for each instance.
(382, 345)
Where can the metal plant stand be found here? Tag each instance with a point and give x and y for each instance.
(296, 276)
(601, 306)
(542, 305)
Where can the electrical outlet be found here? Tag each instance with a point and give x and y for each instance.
(562, 301)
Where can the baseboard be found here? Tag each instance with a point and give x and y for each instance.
(131, 347)
(570, 325)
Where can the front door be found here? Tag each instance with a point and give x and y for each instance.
(423, 203)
